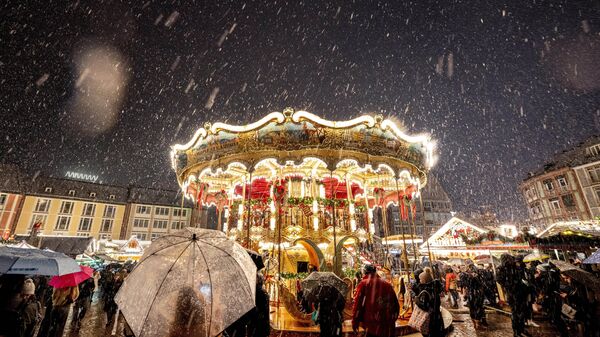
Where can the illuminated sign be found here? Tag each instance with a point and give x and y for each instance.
(81, 176)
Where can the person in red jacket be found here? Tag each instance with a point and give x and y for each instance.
(451, 287)
(375, 306)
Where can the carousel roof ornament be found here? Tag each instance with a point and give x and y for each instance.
(307, 145)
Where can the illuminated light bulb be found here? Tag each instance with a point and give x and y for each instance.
(272, 224)
(315, 206)
(316, 223)
(351, 208)
(353, 224)
(240, 209)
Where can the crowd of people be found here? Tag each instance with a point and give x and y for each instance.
(30, 307)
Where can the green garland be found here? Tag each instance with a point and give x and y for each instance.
(293, 276)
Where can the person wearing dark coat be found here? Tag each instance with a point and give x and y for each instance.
(511, 274)
(190, 316)
(474, 284)
(256, 322)
(331, 306)
(86, 291)
(21, 313)
(111, 290)
(428, 300)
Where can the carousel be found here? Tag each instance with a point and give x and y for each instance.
(306, 192)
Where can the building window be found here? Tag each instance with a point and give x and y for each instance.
(140, 209)
(161, 211)
(85, 225)
(140, 235)
(179, 212)
(109, 211)
(160, 224)
(597, 191)
(555, 204)
(48, 189)
(140, 223)
(154, 236)
(42, 205)
(62, 223)
(92, 194)
(106, 225)
(111, 197)
(562, 181)
(568, 200)
(88, 209)
(35, 218)
(177, 224)
(548, 184)
(72, 193)
(105, 236)
(593, 150)
(594, 173)
(66, 207)
(3, 198)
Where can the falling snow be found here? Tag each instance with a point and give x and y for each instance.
(107, 89)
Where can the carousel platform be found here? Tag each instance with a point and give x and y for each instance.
(284, 324)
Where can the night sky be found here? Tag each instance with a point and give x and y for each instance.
(106, 87)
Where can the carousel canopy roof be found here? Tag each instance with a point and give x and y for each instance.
(298, 142)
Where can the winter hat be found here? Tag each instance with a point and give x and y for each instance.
(28, 287)
(369, 269)
(425, 277)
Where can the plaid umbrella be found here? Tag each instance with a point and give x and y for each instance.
(578, 274)
(313, 284)
(593, 259)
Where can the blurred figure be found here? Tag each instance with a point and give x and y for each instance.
(22, 313)
(510, 276)
(451, 287)
(86, 291)
(375, 306)
(112, 287)
(190, 316)
(331, 306)
(428, 300)
(62, 298)
(476, 297)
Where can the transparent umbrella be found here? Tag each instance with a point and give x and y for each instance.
(193, 282)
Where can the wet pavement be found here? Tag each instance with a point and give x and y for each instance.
(94, 325)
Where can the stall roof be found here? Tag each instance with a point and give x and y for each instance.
(68, 245)
(589, 229)
(449, 234)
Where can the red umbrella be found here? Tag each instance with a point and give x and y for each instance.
(73, 279)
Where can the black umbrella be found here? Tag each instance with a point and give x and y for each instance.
(585, 278)
(314, 284)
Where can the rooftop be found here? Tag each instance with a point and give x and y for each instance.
(579, 155)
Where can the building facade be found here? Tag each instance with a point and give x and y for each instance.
(564, 189)
(587, 172)
(437, 209)
(154, 212)
(64, 207)
(11, 197)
